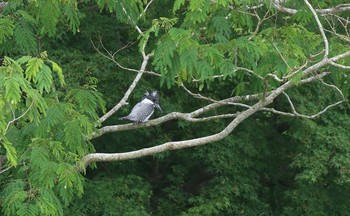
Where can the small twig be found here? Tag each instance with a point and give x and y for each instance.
(260, 22)
(297, 71)
(199, 96)
(4, 170)
(110, 56)
(280, 54)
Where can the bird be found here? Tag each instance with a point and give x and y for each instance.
(143, 110)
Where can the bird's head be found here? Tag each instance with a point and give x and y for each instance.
(154, 97)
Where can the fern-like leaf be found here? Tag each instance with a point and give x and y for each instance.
(44, 79)
(12, 90)
(24, 36)
(6, 26)
(11, 152)
(48, 16)
(33, 67)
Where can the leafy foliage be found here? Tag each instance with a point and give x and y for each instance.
(43, 133)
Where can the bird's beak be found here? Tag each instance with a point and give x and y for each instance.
(158, 107)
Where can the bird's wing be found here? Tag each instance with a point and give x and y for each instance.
(141, 112)
(136, 107)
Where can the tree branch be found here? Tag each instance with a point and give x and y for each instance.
(320, 27)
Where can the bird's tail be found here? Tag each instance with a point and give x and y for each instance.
(124, 118)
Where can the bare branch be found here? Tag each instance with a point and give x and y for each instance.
(111, 56)
(297, 71)
(340, 66)
(337, 9)
(4, 170)
(260, 22)
(223, 102)
(320, 27)
(295, 113)
(19, 117)
(147, 6)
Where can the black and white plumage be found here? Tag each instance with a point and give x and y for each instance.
(143, 110)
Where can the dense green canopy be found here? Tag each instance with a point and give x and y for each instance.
(254, 93)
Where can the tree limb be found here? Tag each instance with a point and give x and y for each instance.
(320, 27)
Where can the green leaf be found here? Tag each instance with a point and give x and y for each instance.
(177, 5)
(24, 59)
(49, 14)
(27, 16)
(71, 12)
(6, 26)
(44, 79)
(58, 70)
(33, 67)
(27, 209)
(48, 203)
(24, 36)
(11, 152)
(12, 90)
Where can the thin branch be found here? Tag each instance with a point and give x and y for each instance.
(297, 71)
(235, 69)
(320, 27)
(131, 20)
(110, 56)
(323, 110)
(19, 117)
(224, 102)
(280, 54)
(4, 170)
(147, 6)
(260, 22)
(340, 66)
